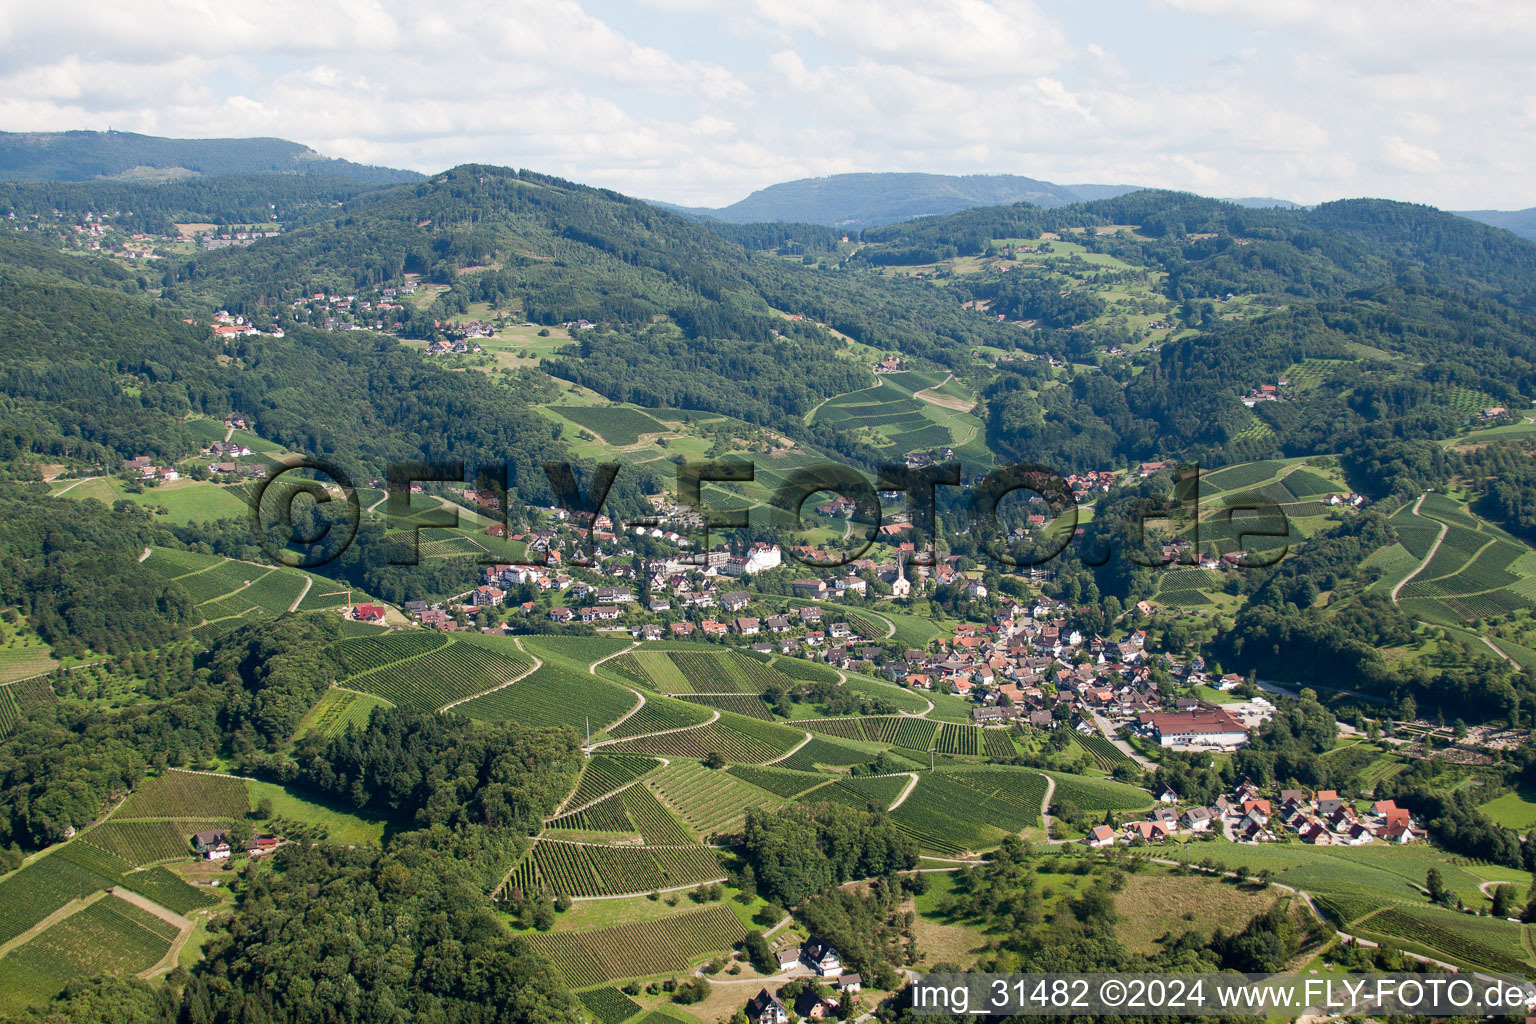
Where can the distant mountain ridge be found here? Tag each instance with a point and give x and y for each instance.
(1521, 222)
(126, 156)
(871, 199)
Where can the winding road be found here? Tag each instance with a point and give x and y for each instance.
(1444, 529)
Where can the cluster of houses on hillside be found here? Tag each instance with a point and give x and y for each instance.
(216, 844)
(1246, 815)
(144, 467)
(820, 959)
(1266, 393)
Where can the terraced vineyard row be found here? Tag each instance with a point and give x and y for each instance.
(339, 709)
(147, 842)
(715, 738)
(658, 715)
(640, 949)
(1418, 929)
(1104, 753)
(582, 870)
(607, 772)
(185, 795)
(20, 697)
(747, 704)
(363, 654)
(109, 936)
(554, 695)
(868, 793)
(955, 810)
(453, 672)
(608, 1005)
(778, 781)
(709, 801)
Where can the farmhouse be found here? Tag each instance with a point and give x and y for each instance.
(764, 1008)
(820, 957)
(213, 844)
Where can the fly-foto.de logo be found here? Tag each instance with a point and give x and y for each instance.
(327, 522)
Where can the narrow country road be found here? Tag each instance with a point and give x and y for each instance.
(1444, 529)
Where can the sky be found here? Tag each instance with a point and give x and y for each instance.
(700, 102)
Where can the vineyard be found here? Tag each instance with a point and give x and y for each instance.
(709, 801)
(869, 793)
(450, 673)
(147, 842)
(659, 715)
(1104, 753)
(169, 890)
(20, 697)
(554, 695)
(708, 672)
(1185, 588)
(577, 650)
(607, 772)
(617, 424)
(1098, 794)
(796, 668)
(998, 743)
(218, 580)
(1488, 943)
(635, 812)
(184, 795)
(363, 654)
(337, 710)
(918, 734)
(778, 781)
(641, 949)
(608, 1005)
(581, 870)
(825, 752)
(109, 936)
(605, 815)
(731, 743)
(42, 887)
(964, 810)
(746, 704)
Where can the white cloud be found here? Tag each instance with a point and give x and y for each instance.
(700, 101)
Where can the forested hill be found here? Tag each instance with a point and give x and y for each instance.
(87, 156)
(1521, 222)
(100, 372)
(869, 199)
(687, 318)
(1414, 309)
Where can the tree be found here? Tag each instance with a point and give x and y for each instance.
(1434, 884)
(714, 760)
(1503, 900)
(760, 953)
